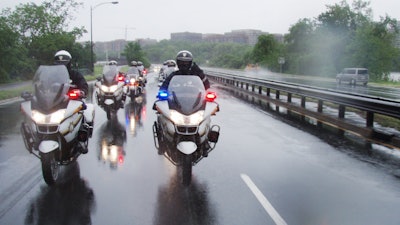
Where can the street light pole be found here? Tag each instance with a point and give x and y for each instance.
(91, 31)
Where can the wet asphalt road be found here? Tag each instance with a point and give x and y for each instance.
(263, 171)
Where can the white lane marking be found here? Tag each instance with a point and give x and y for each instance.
(263, 200)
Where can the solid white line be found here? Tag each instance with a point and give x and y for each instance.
(263, 200)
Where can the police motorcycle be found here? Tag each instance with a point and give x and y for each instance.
(134, 83)
(110, 91)
(183, 132)
(143, 70)
(168, 67)
(57, 123)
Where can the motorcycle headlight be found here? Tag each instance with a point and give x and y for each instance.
(113, 88)
(133, 80)
(180, 119)
(104, 88)
(55, 117)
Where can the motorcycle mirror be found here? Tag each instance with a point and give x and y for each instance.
(26, 95)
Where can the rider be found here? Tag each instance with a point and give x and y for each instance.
(134, 64)
(63, 57)
(186, 66)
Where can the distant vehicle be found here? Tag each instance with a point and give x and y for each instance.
(353, 76)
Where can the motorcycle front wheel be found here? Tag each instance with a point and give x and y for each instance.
(50, 167)
(186, 170)
(108, 112)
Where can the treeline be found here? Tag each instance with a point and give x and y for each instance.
(225, 55)
(30, 34)
(343, 36)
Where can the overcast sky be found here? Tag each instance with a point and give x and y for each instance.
(156, 19)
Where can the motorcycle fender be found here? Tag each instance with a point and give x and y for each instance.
(187, 147)
(89, 113)
(48, 146)
(108, 102)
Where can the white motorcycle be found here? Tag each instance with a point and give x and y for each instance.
(56, 121)
(135, 83)
(164, 74)
(110, 91)
(183, 131)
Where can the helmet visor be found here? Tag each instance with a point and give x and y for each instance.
(184, 65)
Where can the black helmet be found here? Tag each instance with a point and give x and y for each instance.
(184, 60)
(62, 57)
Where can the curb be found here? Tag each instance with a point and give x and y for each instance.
(9, 100)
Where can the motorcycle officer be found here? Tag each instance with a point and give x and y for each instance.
(186, 66)
(134, 64)
(63, 57)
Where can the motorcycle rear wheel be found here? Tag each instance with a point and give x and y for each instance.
(50, 168)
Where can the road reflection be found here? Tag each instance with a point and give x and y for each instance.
(71, 201)
(112, 136)
(135, 114)
(180, 205)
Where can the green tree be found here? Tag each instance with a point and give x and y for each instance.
(297, 46)
(41, 30)
(13, 58)
(133, 52)
(373, 47)
(228, 55)
(267, 51)
(343, 36)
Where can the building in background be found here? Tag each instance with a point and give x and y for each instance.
(187, 36)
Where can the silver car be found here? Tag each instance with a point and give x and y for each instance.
(353, 76)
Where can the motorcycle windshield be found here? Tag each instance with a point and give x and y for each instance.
(187, 94)
(132, 72)
(51, 84)
(109, 74)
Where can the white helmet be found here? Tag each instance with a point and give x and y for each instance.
(62, 57)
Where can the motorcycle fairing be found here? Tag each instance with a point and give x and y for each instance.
(132, 71)
(51, 84)
(109, 75)
(186, 94)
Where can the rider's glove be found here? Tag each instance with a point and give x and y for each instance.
(82, 94)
